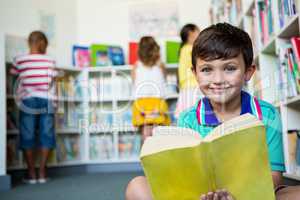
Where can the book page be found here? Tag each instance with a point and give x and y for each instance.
(238, 123)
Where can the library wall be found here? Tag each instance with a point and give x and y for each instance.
(20, 17)
(108, 22)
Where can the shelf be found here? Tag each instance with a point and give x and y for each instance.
(10, 96)
(172, 66)
(269, 48)
(58, 131)
(108, 161)
(13, 132)
(290, 29)
(294, 101)
(111, 129)
(71, 69)
(98, 100)
(169, 96)
(70, 99)
(292, 176)
(72, 131)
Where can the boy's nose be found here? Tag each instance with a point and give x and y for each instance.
(218, 77)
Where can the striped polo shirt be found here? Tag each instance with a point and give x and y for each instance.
(202, 118)
(35, 76)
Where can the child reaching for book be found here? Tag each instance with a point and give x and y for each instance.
(149, 108)
(35, 92)
(222, 59)
(187, 81)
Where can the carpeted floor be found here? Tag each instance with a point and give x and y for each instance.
(95, 186)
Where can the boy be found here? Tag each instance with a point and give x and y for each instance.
(222, 62)
(35, 91)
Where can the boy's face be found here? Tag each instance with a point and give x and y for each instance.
(222, 80)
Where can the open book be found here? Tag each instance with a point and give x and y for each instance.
(180, 165)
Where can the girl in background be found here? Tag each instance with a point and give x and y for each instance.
(188, 87)
(149, 108)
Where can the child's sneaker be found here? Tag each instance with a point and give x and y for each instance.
(43, 180)
(30, 181)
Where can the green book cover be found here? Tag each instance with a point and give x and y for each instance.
(172, 51)
(99, 55)
(179, 164)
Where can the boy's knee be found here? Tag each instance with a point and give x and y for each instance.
(138, 189)
(289, 193)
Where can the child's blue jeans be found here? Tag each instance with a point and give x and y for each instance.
(37, 119)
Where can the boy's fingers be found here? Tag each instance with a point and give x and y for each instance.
(203, 197)
(210, 196)
(216, 196)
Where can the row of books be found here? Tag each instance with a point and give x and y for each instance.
(108, 55)
(102, 146)
(286, 9)
(69, 86)
(121, 86)
(228, 11)
(68, 115)
(67, 149)
(288, 75)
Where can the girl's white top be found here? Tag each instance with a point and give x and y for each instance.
(149, 81)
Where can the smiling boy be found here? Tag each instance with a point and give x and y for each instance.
(222, 59)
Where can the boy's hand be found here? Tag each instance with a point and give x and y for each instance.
(218, 195)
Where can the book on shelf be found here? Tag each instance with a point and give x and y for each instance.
(172, 51)
(101, 147)
(68, 148)
(288, 73)
(286, 9)
(293, 142)
(116, 55)
(133, 52)
(99, 55)
(100, 87)
(13, 154)
(129, 145)
(196, 165)
(81, 56)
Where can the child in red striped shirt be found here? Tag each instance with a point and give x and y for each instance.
(35, 94)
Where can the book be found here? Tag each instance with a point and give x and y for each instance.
(133, 52)
(292, 144)
(81, 56)
(116, 55)
(172, 51)
(179, 164)
(99, 55)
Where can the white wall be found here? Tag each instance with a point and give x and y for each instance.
(20, 17)
(108, 21)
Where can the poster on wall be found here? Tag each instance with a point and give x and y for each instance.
(48, 26)
(14, 46)
(159, 19)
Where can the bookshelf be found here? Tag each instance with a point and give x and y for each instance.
(271, 25)
(93, 117)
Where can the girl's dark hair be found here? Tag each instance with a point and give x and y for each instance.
(37, 36)
(184, 33)
(148, 51)
(222, 41)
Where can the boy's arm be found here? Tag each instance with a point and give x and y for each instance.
(277, 178)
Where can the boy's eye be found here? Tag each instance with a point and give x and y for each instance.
(206, 69)
(230, 68)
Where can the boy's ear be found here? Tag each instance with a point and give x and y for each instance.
(249, 72)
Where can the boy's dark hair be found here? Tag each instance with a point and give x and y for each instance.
(184, 33)
(222, 41)
(37, 36)
(148, 51)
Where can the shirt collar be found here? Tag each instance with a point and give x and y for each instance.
(206, 115)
